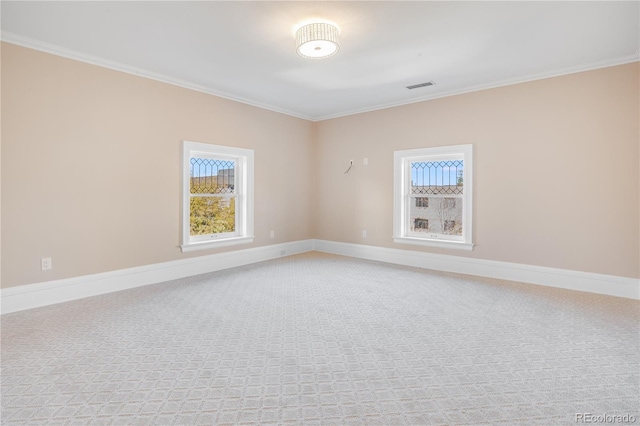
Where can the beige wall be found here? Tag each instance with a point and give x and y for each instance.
(556, 170)
(91, 166)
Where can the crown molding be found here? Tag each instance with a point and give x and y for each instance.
(30, 43)
(501, 83)
(53, 49)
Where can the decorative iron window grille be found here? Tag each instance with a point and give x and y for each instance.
(212, 176)
(437, 177)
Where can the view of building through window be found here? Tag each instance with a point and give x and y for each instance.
(212, 196)
(436, 193)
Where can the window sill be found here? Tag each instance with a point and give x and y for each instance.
(203, 245)
(459, 245)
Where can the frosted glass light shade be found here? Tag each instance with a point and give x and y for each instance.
(318, 40)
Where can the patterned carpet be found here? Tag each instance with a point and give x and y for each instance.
(323, 339)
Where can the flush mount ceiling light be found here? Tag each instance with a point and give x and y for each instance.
(317, 40)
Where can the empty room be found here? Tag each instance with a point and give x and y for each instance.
(320, 213)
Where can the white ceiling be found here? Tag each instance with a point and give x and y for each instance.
(246, 50)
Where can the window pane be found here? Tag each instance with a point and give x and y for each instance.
(212, 215)
(422, 202)
(442, 215)
(437, 177)
(212, 176)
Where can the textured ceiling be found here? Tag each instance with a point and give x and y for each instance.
(246, 50)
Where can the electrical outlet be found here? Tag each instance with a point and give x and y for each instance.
(365, 161)
(46, 263)
(364, 234)
(272, 234)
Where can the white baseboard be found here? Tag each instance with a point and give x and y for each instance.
(551, 277)
(30, 296)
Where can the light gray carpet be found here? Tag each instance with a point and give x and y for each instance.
(323, 339)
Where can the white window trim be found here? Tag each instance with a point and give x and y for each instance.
(401, 184)
(244, 200)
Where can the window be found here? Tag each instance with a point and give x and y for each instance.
(420, 223)
(422, 202)
(433, 195)
(217, 196)
(450, 227)
(450, 203)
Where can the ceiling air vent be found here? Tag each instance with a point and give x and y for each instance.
(415, 86)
